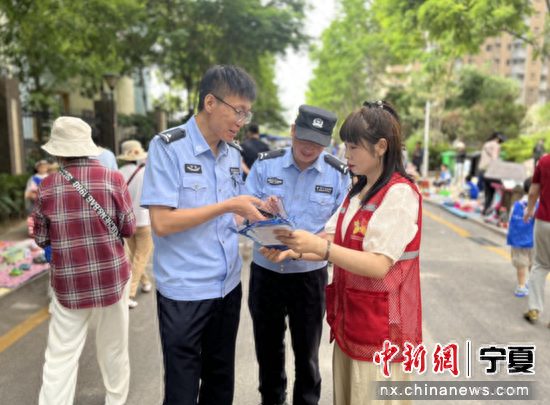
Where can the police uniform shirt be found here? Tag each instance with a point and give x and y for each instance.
(311, 197)
(202, 262)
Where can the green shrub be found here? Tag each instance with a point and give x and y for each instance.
(144, 124)
(521, 149)
(12, 201)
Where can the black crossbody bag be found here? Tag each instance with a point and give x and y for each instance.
(83, 191)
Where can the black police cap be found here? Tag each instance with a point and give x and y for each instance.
(314, 124)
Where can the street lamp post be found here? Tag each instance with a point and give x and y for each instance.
(426, 141)
(112, 80)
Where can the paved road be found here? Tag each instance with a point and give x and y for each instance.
(467, 292)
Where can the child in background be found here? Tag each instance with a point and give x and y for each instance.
(520, 238)
(444, 178)
(473, 190)
(41, 169)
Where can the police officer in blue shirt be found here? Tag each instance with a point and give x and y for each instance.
(311, 184)
(192, 188)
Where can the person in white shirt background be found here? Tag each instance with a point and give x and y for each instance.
(140, 244)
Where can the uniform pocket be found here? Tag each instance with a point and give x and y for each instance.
(367, 317)
(194, 192)
(321, 206)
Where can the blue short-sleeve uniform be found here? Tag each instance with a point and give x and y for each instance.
(311, 196)
(202, 262)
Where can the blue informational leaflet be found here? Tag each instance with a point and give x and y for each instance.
(262, 231)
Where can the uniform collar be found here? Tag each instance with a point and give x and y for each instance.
(199, 143)
(289, 161)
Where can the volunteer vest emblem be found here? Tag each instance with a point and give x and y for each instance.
(274, 181)
(317, 123)
(190, 168)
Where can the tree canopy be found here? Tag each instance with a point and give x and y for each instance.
(350, 60)
(457, 27)
(52, 42)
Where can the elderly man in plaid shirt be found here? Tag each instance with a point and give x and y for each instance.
(89, 269)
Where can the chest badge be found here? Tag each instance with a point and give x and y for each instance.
(190, 168)
(274, 181)
(324, 190)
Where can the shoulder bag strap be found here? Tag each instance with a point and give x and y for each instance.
(107, 220)
(134, 174)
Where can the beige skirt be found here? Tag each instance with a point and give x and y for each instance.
(351, 380)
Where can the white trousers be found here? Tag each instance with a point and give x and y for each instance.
(541, 265)
(66, 338)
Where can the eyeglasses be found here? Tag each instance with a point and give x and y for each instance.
(241, 115)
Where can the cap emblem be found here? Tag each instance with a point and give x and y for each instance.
(318, 123)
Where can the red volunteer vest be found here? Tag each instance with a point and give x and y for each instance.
(362, 311)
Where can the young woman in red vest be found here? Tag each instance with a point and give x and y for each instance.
(373, 240)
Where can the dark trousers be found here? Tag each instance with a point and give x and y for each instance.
(480, 175)
(198, 346)
(272, 297)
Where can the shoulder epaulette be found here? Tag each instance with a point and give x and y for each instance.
(172, 135)
(271, 154)
(234, 145)
(337, 164)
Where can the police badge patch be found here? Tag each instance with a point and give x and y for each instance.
(190, 168)
(323, 189)
(274, 181)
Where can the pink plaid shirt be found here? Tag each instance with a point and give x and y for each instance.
(89, 267)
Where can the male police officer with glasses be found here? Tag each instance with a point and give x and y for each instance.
(192, 188)
(311, 184)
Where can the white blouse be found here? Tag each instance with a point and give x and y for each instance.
(392, 226)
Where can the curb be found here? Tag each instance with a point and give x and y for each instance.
(479, 221)
(30, 281)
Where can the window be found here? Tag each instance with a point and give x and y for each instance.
(507, 62)
(489, 47)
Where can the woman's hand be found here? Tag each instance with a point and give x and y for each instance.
(302, 241)
(276, 255)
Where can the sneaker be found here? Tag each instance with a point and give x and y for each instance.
(521, 291)
(147, 288)
(532, 315)
(132, 303)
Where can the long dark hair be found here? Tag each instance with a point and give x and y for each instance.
(366, 126)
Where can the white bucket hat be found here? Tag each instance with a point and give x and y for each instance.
(71, 137)
(132, 151)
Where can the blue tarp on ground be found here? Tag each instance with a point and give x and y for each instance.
(460, 213)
